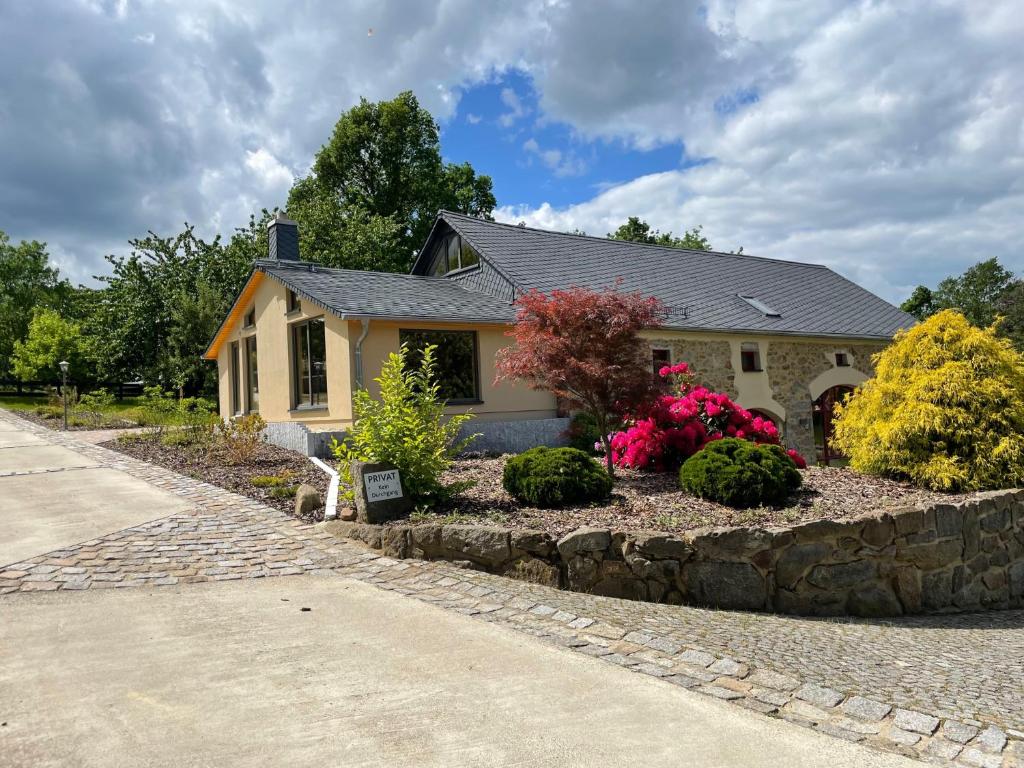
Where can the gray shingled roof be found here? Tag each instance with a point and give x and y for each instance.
(351, 293)
(702, 289)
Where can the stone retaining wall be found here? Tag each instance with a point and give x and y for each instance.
(941, 558)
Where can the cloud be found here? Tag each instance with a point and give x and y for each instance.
(562, 164)
(472, 119)
(884, 138)
(516, 110)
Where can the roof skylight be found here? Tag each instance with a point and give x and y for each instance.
(760, 306)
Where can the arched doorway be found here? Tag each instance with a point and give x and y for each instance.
(824, 414)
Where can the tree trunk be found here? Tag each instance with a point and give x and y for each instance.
(602, 424)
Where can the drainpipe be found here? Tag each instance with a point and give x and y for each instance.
(359, 352)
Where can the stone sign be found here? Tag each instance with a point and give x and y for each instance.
(378, 492)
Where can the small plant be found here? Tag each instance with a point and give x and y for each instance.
(740, 473)
(584, 434)
(195, 414)
(156, 410)
(555, 477)
(272, 481)
(406, 427)
(284, 491)
(240, 438)
(93, 406)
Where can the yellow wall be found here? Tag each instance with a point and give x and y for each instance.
(273, 345)
(501, 401)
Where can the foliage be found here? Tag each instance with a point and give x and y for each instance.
(555, 477)
(240, 438)
(584, 346)
(27, 283)
(272, 481)
(51, 339)
(157, 408)
(94, 406)
(406, 427)
(196, 417)
(677, 425)
(381, 175)
(639, 231)
(195, 316)
(583, 433)
(982, 293)
(740, 473)
(944, 410)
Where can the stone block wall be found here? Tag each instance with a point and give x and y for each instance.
(941, 558)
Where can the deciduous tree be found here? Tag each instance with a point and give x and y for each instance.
(584, 346)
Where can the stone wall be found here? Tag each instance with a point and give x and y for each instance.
(711, 361)
(941, 558)
(298, 437)
(514, 436)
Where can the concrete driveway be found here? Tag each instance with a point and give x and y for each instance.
(230, 671)
(237, 674)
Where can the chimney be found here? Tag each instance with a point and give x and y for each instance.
(283, 236)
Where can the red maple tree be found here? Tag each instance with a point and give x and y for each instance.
(584, 346)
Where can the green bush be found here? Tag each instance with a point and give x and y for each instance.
(555, 477)
(406, 427)
(740, 473)
(239, 439)
(583, 433)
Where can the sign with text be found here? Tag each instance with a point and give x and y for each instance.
(382, 485)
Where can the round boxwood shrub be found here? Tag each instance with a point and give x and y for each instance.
(555, 477)
(740, 473)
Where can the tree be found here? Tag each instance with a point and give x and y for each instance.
(921, 303)
(944, 410)
(584, 346)
(194, 319)
(976, 293)
(380, 177)
(27, 282)
(1010, 307)
(51, 339)
(639, 231)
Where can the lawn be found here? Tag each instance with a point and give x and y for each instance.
(118, 414)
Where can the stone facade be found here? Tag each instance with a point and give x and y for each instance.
(790, 367)
(942, 558)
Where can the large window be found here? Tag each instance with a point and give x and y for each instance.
(452, 253)
(236, 405)
(309, 358)
(252, 381)
(456, 356)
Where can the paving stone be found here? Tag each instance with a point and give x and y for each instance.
(905, 738)
(728, 667)
(652, 669)
(958, 732)
(663, 645)
(834, 730)
(990, 740)
(719, 692)
(942, 749)
(769, 696)
(918, 722)
(865, 709)
(769, 679)
(807, 711)
(699, 658)
(977, 759)
(819, 695)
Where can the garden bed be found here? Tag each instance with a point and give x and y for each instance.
(210, 465)
(643, 501)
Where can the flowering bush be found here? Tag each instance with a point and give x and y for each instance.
(676, 426)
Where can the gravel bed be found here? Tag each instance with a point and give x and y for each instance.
(653, 501)
(208, 464)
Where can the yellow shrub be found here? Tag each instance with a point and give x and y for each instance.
(945, 409)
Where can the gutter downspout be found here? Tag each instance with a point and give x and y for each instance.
(359, 352)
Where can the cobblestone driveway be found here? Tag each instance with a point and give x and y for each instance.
(948, 688)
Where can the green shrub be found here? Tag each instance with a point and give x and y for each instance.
(284, 491)
(555, 477)
(406, 427)
(740, 473)
(583, 433)
(944, 410)
(93, 406)
(272, 481)
(240, 438)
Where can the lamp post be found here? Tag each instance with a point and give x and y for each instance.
(64, 365)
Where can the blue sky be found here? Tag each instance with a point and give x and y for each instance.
(883, 138)
(500, 128)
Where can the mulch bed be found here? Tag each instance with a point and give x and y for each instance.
(653, 501)
(210, 466)
(108, 422)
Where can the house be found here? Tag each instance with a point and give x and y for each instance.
(784, 339)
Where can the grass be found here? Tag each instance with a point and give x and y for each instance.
(127, 412)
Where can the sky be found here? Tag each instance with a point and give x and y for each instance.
(883, 139)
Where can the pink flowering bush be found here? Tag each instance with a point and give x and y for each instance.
(678, 425)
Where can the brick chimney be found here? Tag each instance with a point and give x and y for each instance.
(283, 236)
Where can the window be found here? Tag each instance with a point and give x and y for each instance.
(750, 356)
(456, 355)
(252, 382)
(250, 318)
(760, 306)
(293, 302)
(452, 253)
(236, 406)
(659, 359)
(309, 359)
(842, 360)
